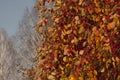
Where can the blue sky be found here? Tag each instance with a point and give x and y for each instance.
(11, 12)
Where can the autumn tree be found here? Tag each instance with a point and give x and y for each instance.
(80, 40)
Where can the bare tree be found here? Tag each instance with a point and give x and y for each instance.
(26, 38)
(7, 57)
(26, 41)
(17, 53)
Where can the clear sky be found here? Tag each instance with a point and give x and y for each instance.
(11, 12)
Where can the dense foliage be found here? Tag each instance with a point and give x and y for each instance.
(81, 40)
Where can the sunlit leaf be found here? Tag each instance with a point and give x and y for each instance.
(72, 77)
(95, 72)
(103, 70)
(117, 59)
(51, 77)
(111, 25)
(83, 12)
(64, 59)
(81, 52)
(80, 2)
(81, 78)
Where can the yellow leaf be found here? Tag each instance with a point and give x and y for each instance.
(76, 17)
(70, 7)
(61, 67)
(104, 59)
(82, 12)
(104, 20)
(99, 55)
(68, 32)
(67, 65)
(116, 19)
(64, 79)
(81, 78)
(64, 59)
(118, 78)
(103, 70)
(81, 29)
(81, 52)
(65, 51)
(56, 20)
(63, 72)
(93, 79)
(90, 74)
(97, 18)
(72, 77)
(74, 40)
(113, 59)
(58, 2)
(117, 59)
(113, 64)
(109, 61)
(70, 59)
(107, 47)
(80, 2)
(65, 26)
(50, 29)
(84, 44)
(77, 62)
(95, 72)
(96, 3)
(80, 38)
(111, 25)
(53, 73)
(51, 77)
(97, 10)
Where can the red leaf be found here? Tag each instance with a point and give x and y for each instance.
(116, 0)
(118, 10)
